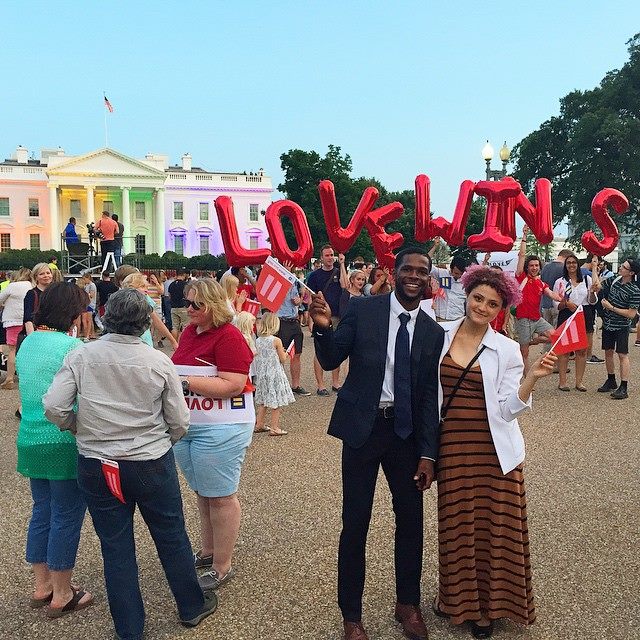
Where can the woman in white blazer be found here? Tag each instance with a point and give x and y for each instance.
(484, 567)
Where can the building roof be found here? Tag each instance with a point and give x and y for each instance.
(30, 163)
(176, 168)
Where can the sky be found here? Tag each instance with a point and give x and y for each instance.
(403, 87)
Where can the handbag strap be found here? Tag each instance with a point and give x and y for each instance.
(443, 412)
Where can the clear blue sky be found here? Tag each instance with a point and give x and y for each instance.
(403, 87)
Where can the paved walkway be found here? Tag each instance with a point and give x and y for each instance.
(584, 516)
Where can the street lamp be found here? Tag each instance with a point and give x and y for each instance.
(487, 154)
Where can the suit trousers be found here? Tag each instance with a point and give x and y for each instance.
(399, 460)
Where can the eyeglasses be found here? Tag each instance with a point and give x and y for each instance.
(190, 303)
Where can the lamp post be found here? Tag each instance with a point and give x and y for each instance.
(487, 154)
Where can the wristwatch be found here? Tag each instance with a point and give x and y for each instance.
(185, 387)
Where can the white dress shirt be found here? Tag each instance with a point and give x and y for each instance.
(451, 305)
(395, 309)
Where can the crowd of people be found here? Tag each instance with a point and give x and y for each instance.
(446, 351)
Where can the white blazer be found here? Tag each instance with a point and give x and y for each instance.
(502, 368)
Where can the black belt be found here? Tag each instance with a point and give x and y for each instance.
(289, 319)
(386, 413)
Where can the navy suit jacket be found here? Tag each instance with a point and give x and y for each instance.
(362, 337)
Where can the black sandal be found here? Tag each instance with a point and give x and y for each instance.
(481, 632)
(72, 606)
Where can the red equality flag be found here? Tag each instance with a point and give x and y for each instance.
(111, 473)
(273, 285)
(571, 335)
(107, 104)
(252, 306)
(291, 349)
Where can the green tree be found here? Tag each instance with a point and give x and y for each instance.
(594, 143)
(303, 172)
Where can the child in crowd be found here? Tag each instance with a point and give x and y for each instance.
(246, 323)
(273, 390)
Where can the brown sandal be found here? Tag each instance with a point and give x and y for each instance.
(261, 430)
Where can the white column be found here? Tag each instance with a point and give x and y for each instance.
(91, 216)
(126, 221)
(158, 222)
(54, 217)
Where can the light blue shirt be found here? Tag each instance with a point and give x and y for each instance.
(287, 308)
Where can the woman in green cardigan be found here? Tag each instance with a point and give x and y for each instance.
(48, 456)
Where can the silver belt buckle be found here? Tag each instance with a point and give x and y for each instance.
(384, 412)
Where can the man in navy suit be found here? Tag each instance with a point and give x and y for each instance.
(386, 414)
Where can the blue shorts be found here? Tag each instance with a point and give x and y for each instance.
(211, 457)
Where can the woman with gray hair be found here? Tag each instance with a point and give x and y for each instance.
(125, 457)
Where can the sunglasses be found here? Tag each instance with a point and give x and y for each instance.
(190, 303)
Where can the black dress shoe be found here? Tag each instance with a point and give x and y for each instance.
(18, 414)
(481, 632)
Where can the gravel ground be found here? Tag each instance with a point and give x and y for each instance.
(584, 518)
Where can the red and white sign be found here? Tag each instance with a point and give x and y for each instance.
(291, 349)
(571, 335)
(111, 473)
(252, 306)
(273, 285)
(208, 411)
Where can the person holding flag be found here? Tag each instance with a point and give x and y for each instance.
(529, 321)
(290, 333)
(620, 303)
(577, 290)
(482, 510)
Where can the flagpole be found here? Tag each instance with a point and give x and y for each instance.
(304, 284)
(106, 130)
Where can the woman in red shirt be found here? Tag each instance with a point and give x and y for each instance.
(213, 361)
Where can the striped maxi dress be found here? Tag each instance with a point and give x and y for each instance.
(484, 563)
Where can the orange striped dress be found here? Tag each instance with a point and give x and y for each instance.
(482, 514)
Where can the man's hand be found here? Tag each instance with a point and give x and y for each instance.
(424, 474)
(287, 264)
(341, 258)
(320, 311)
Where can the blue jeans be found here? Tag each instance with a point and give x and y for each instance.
(56, 520)
(117, 254)
(153, 486)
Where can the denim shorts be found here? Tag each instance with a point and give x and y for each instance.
(211, 457)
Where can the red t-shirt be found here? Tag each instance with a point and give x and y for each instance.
(224, 347)
(531, 294)
(498, 321)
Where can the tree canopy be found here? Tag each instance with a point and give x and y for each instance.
(594, 143)
(303, 171)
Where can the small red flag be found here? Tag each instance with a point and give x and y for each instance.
(571, 335)
(252, 306)
(111, 473)
(107, 104)
(273, 285)
(291, 349)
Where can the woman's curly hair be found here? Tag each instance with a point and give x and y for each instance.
(506, 286)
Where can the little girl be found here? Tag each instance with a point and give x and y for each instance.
(272, 387)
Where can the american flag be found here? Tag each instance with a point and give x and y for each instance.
(107, 104)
